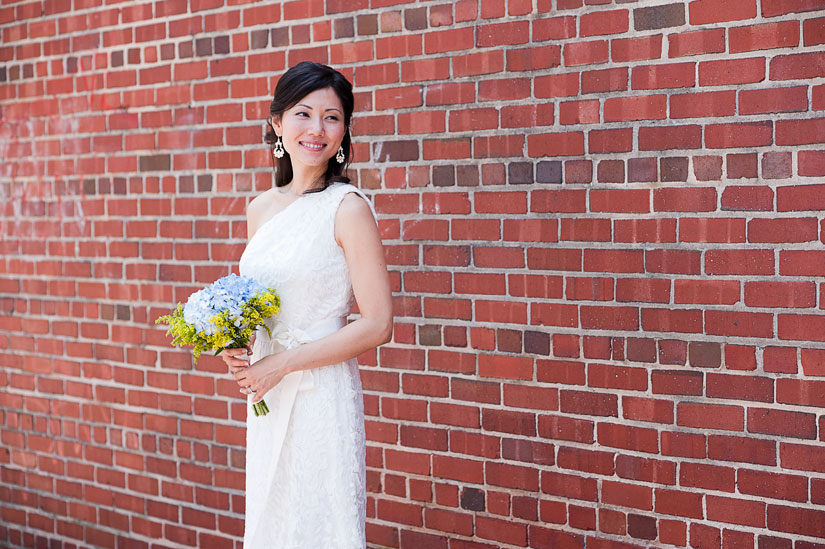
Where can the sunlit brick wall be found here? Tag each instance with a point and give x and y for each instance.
(604, 223)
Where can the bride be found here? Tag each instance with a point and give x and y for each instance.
(312, 237)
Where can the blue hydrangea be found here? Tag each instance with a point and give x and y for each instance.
(225, 294)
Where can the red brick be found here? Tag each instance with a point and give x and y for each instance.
(627, 495)
(570, 486)
(736, 511)
(644, 230)
(683, 504)
(710, 416)
(782, 423)
(773, 485)
(673, 75)
(636, 49)
(742, 449)
(696, 42)
(647, 409)
(585, 53)
(759, 389)
(797, 66)
(796, 520)
(645, 107)
(708, 477)
(659, 138)
(780, 294)
(627, 437)
(696, 105)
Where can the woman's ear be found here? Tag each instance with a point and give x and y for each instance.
(276, 124)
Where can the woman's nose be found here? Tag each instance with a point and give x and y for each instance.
(316, 126)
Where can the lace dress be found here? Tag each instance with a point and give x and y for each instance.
(305, 460)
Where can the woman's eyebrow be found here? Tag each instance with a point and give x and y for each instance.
(310, 108)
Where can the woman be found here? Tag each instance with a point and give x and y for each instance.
(312, 237)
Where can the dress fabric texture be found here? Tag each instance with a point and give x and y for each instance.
(308, 488)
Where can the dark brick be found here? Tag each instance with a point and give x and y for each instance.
(185, 50)
(610, 171)
(704, 354)
(641, 527)
(472, 499)
(537, 343)
(2, 74)
(578, 171)
(119, 185)
(279, 37)
(203, 46)
(204, 183)
(221, 44)
(167, 51)
(674, 168)
(520, 173)
(300, 34)
(155, 163)
(134, 56)
(415, 19)
(104, 186)
(89, 186)
(186, 184)
(368, 24)
(455, 336)
(123, 312)
(641, 349)
(344, 28)
(509, 341)
(260, 39)
(443, 176)
(659, 17)
(28, 70)
(394, 151)
(642, 170)
(770, 542)
(466, 176)
(742, 165)
(429, 335)
(672, 351)
(548, 171)
(71, 62)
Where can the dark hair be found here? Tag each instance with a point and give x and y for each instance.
(295, 84)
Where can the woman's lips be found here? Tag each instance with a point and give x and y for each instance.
(314, 147)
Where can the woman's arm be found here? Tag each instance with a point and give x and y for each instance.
(357, 233)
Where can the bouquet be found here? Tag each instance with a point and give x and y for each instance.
(224, 315)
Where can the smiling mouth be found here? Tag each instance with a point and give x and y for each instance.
(313, 146)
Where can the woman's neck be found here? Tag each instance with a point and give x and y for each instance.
(305, 178)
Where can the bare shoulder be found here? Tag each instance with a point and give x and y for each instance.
(353, 217)
(255, 211)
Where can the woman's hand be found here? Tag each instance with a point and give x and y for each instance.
(238, 359)
(262, 376)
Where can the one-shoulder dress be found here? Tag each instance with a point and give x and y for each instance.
(305, 460)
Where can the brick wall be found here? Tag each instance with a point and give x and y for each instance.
(604, 224)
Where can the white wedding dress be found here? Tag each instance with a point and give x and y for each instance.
(305, 460)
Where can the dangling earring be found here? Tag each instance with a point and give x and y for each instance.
(340, 156)
(279, 148)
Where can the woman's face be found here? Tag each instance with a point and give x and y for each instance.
(313, 129)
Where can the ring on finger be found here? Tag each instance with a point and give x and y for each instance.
(251, 390)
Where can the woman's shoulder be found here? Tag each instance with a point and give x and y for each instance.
(353, 203)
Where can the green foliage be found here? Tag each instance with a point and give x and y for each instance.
(231, 333)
